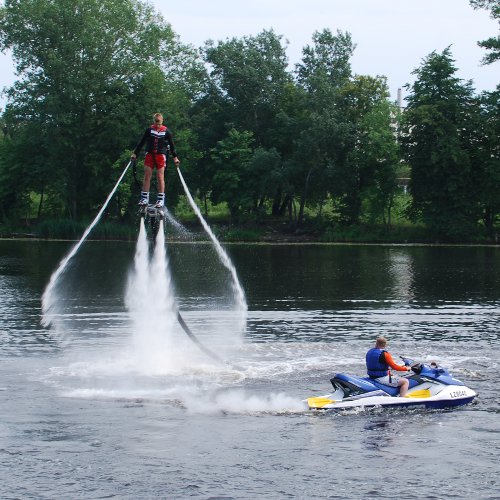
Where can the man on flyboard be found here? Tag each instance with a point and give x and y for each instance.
(159, 145)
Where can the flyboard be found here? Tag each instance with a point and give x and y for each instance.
(152, 216)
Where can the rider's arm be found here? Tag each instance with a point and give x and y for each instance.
(168, 136)
(141, 142)
(392, 364)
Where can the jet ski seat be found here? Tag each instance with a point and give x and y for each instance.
(352, 385)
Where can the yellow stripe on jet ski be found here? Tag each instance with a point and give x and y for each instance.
(319, 402)
(421, 393)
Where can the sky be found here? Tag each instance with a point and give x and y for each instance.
(392, 36)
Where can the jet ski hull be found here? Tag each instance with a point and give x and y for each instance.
(449, 397)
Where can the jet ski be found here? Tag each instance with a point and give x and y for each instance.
(430, 386)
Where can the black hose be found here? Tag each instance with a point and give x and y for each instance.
(192, 336)
(134, 172)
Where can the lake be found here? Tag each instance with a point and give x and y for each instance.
(96, 407)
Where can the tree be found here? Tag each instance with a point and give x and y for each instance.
(439, 125)
(242, 93)
(373, 162)
(232, 157)
(249, 74)
(324, 134)
(488, 158)
(371, 156)
(325, 65)
(88, 71)
(491, 44)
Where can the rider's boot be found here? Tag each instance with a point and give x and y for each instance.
(143, 202)
(160, 202)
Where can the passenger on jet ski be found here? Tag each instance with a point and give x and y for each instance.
(378, 365)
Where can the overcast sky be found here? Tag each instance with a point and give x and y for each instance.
(392, 36)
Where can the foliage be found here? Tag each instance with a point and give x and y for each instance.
(439, 125)
(242, 234)
(487, 157)
(491, 44)
(88, 69)
(315, 147)
(249, 74)
(232, 157)
(377, 234)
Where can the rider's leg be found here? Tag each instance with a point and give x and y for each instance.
(145, 186)
(146, 183)
(160, 175)
(403, 386)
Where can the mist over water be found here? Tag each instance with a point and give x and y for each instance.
(155, 359)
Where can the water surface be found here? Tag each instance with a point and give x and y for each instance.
(92, 411)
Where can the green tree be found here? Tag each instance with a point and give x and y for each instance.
(373, 162)
(324, 135)
(370, 156)
(325, 64)
(491, 44)
(249, 75)
(488, 158)
(88, 71)
(243, 92)
(232, 157)
(439, 125)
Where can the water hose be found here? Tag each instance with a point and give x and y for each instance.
(192, 336)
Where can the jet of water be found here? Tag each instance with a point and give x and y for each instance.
(151, 304)
(49, 298)
(223, 256)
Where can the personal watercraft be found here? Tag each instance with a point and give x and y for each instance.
(430, 386)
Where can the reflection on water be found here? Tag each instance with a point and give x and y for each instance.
(401, 268)
(377, 434)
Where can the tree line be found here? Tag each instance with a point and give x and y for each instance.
(266, 139)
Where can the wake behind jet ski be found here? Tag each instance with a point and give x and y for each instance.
(430, 386)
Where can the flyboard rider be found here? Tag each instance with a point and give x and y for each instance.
(378, 364)
(159, 144)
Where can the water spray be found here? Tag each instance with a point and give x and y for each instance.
(226, 261)
(151, 303)
(144, 272)
(47, 298)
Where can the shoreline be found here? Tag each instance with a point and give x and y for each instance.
(277, 242)
(276, 233)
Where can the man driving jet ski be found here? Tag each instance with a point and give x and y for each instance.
(378, 364)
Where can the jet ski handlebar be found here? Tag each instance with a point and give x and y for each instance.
(407, 361)
(415, 367)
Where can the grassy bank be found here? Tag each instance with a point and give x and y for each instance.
(67, 229)
(320, 224)
(267, 230)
